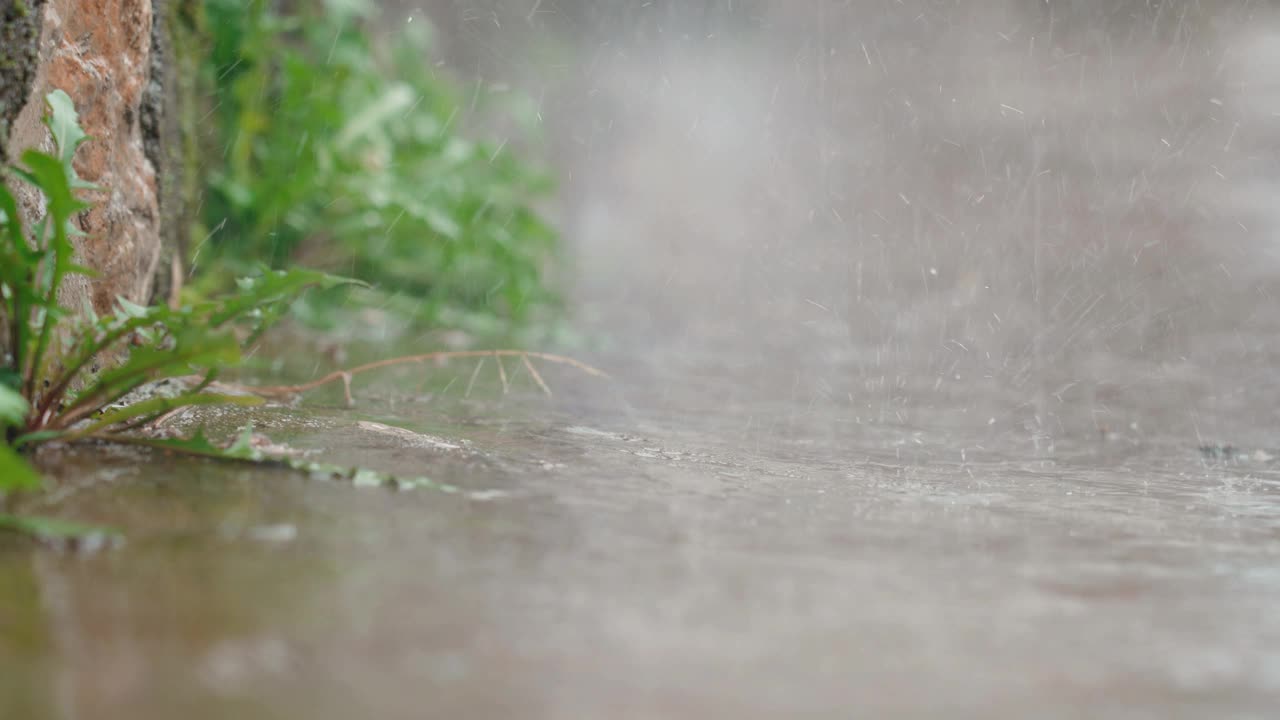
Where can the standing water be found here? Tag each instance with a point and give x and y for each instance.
(944, 348)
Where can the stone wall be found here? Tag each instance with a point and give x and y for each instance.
(117, 61)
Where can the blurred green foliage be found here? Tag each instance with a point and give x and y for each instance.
(341, 149)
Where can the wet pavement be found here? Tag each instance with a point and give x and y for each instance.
(590, 571)
(908, 401)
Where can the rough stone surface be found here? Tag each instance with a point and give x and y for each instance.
(99, 53)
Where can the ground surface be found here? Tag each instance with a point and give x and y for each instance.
(635, 567)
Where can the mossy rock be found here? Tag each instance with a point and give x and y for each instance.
(19, 43)
(170, 116)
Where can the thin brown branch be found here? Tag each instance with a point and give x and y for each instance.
(533, 372)
(502, 375)
(474, 374)
(346, 389)
(289, 391)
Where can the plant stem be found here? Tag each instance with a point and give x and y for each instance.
(50, 313)
(59, 388)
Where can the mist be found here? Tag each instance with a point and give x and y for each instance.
(1054, 216)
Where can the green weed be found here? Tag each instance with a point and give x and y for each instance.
(64, 374)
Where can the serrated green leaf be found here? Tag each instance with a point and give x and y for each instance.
(159, 405)
(243, 450)
(50, 176)
(13, 237)
(192, 348)
(64, 122)
(197, 444)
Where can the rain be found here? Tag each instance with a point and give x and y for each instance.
(942, 356)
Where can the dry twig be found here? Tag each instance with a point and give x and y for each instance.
(291, 391)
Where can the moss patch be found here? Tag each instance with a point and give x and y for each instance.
(19, 45)
(170, 113)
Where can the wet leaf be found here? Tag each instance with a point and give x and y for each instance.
(64, 124)
(131, 309)
(243, 449)
(13, 407)
(48, 174)
(160, 405)
(198, 445)
(440, 222)
(15, 473)
(63, 533)
(36, 437)
(390, 105)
